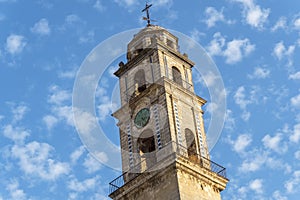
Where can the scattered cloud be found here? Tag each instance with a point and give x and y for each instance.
(280, 52)
(14, 190)
(293, 183)
(15, 44)
(259, 73)
(295, 137)
(83, 186)
(295, 76)
(280, 24)
(41, 27)
(212, 16)
(35, 159)
(297, 155)
(295, 101)
(106, 105)
(91, 164)
(253, 14)
(275, 143)
(256, 185)
(58, 96)
(77, 154)
(296, 23)
(240, 98)
(99, 6)
(241, 143)
(234, 51)
(16, 134)
(18, 112)
(126, 3)
(278, 196)
(50, 121)
(254, 161)
(163, 2)
(216, 45)
(237, 49)
(72, 19)
(229, 121)
(87, 38)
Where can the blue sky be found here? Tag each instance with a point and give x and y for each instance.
(43, 43)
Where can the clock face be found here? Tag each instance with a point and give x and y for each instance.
(142, 117)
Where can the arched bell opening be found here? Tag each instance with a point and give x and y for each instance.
(140, 81)
(146, 149)
(191, 145)
(177, 78)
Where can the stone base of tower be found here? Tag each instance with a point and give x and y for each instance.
(178, 178)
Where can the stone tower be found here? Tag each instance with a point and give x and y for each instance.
(162, 135)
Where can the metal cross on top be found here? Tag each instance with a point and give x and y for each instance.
(148, 15)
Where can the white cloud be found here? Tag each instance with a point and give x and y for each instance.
(246, 115)
(19, 112)
(87, 121)
(72, 19)
(59, 96)
(99, 6)
(295, 137)
(295, 76)
(163, 2)
(256, 185)
(17, 134)
(106, 105)
(254, 162)
(254, 15)
(35, 159)
(216, 45)
(126, 3)
(241, 143)
(292, 185)
(234, 51)
(274, 143)
(15, 44)
(297, 23)
(91, 164)
(50, 121)
(213, 16)
(280, 52)
(297, 155)
(237, 49)
(84, 185)
(229, 120)
(77, 154)
(15, 192)
(240, 98)
(68, 74)
(41, 27)
(89, 37)
(278, 196)
(260, 73)
(280, 24)
(61, 108)
(295, 101)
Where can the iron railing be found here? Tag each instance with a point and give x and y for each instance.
(173, 148)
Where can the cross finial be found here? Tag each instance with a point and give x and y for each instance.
(147, 12)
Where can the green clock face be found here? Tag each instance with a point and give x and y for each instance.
(142, 117)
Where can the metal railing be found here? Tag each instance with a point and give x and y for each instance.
(173, 148)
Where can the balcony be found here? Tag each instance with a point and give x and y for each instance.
(170, 153)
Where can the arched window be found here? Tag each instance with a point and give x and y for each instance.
(146, 147)
(190, 144)
(146, 142)
(176, 76)
(139, 80)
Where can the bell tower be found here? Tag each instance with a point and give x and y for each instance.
(162, 135)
